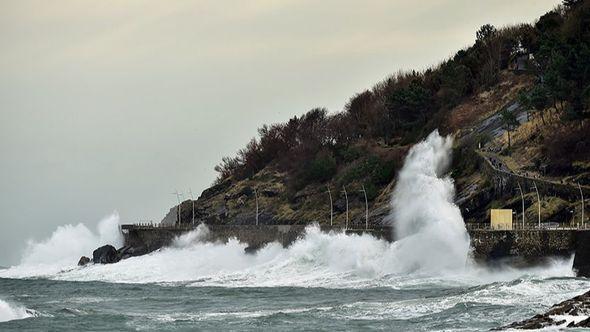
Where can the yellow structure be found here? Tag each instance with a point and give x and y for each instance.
(501, 219)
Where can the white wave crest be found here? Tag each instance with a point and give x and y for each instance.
(429, 228)
(65, 246)
(432, 247)
(12, 312)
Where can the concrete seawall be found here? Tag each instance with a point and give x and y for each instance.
(521, 247)
(154, 238)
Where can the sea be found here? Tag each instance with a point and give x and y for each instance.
(323, 282)
(426, 280)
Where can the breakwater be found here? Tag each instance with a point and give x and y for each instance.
(521, 246)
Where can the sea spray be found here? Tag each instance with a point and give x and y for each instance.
(10, 312)
(429, 228)
(66, 245)
(432, 247)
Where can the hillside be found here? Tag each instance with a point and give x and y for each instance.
(516, 101)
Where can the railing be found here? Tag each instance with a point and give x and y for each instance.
(528, 227)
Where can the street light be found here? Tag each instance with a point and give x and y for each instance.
(331, 206)
(366, 208)
(539, 202)
(346, 197)
(256, 195)
(193, 201)
(522, 198)
(178, 195)
(582, 194)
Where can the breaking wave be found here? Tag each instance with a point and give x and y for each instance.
(12, 312)
(65, 246)
(432, 247)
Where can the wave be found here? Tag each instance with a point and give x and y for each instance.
(432, 247)
(10, 312)
(65, 246)
(319, 259)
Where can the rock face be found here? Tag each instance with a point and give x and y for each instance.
(129, 251)
(83, 261)
(577, 311)
(582, 258)
(105, 255)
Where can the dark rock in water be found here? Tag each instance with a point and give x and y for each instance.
(577, 306)
(83, 261)
(105, 255)
(129, 251)
(252, 249)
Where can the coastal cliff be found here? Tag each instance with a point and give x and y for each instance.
(515, 102)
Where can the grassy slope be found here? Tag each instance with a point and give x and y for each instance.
(234, 201)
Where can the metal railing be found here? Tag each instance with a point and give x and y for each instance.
(528, 227)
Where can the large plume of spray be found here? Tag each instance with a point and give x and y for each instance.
(429, 228)
(431, 244)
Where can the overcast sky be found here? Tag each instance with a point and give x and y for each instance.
(110, 105)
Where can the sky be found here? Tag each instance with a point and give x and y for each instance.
(110, 106)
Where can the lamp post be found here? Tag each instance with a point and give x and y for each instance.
(522, 198)
(346, 197)
(256, 195)
(193, 201)
(582, 194)
(366, 208)
(539, 202)
(178, 195)
(331, 206)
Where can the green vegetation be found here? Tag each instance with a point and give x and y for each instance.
(405, 107)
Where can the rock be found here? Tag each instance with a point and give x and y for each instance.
(252, 249)
(577, 306)
(270, 192)
(129, 251)
(83, 261)
(105, 255)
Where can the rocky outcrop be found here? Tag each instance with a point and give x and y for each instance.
(574, 312)
(105, 255)
(83, 261)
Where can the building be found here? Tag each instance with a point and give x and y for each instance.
(501, 219)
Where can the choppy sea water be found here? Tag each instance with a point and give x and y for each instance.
(424, 281)
(322, 282)
(403, 305)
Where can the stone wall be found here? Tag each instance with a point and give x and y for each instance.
(153, 238)
(518, 246)
(526, 244)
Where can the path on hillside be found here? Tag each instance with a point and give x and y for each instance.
(492, 127)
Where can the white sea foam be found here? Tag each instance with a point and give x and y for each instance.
(64, 248)
(431, 250)
(11, 312)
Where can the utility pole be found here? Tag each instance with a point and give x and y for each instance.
(331, 206)
(539, 202)
(346, 197)
(178, 195)
(366, 208)
(256, 195)
(582, 194)
(522, 198)
(193, 201)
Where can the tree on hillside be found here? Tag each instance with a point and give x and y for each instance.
(509, 123)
